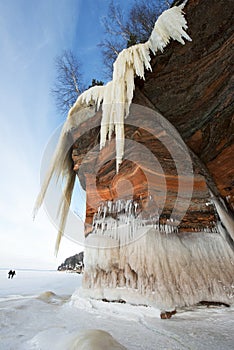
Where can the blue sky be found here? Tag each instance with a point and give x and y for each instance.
(32, 34)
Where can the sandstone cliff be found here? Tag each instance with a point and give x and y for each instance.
(192, 87)
(153, 228)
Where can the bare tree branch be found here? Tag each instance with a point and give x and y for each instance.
(68, 85)
(126, 30)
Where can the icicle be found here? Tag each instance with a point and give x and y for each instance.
(135, 208)
(225, 217)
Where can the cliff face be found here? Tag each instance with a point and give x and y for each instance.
(158, 174)
(160, 198)
(73, 263)
(192, 87)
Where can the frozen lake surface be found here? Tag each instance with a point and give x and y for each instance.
(29, 282)
(38, 312)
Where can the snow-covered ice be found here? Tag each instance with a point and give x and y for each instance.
(38, 311)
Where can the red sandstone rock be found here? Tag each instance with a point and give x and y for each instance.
(192, 86)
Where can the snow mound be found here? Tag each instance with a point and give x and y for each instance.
(94, 339)
(46, 295)
(51, 298)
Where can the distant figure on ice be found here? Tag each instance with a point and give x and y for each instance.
(11, 274)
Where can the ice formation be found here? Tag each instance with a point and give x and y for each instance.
(115, 98)
(161, 270)
(225, 217)
(136, 259)
(122, 220)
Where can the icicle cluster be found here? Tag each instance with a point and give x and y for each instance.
(122, 220)
(116, 96)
